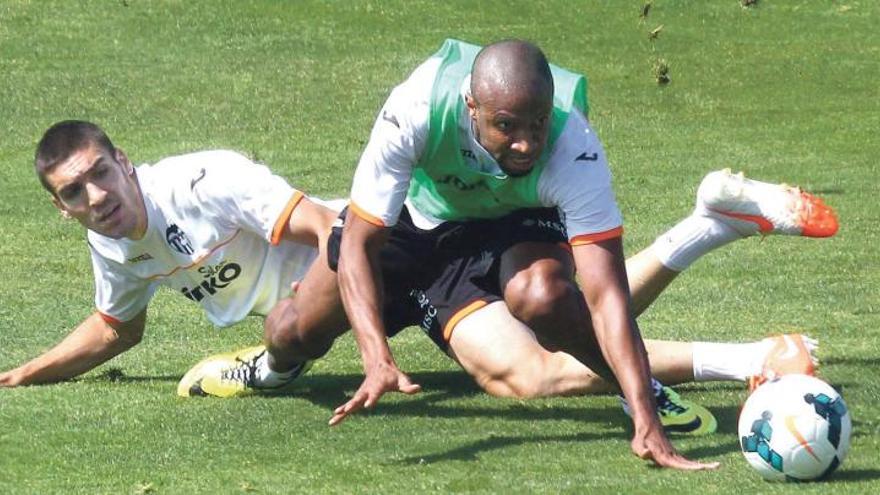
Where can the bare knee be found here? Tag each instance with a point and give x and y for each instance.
(535, 295)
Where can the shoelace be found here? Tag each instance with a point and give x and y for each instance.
(244, 372)
(668, 403)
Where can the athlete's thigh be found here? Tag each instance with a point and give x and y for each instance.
(490, 344)
(506, 359)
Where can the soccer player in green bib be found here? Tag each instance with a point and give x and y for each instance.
(507, 139)
(482, 187)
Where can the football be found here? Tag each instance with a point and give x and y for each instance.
(795, 428)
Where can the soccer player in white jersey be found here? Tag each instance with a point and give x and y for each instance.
(222, 231)
(480, 138)
(229, 235)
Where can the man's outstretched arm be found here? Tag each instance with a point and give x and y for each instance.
(360, 284)
(602, 273)
(93, 342)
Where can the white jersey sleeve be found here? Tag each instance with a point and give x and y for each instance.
(246, 194)
(577, 180)
(397, 140)
(119, 294)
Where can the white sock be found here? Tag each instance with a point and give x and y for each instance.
(713, 361)
(267, 377)
(690, 239)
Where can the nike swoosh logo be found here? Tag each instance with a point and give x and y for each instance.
(791, 349)
(195, 181)
(685, 427)
(792, 428)
(584, 157)
(764, 225)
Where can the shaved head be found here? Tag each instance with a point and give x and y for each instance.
(511, 104)
(511, 67)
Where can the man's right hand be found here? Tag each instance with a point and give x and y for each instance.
(11, 378)
(651, 443)
(381, 378)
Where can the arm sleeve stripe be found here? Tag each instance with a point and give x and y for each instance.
(281, 223)
(459, 315)
(366, 216)
(580, 240)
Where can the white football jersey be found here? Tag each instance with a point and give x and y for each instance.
(214, 222)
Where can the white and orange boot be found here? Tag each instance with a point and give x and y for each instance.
(788, 354)
(753, 207)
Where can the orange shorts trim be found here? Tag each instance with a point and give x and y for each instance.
(580, 240)
(281, 223)
(363, 215)
(459, 315)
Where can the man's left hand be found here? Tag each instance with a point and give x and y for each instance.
(382, 378)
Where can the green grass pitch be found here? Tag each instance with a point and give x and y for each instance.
(786, 90)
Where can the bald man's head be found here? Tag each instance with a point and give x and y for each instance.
(511, 66)
(511, 103)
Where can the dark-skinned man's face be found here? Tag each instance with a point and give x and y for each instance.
(513, 126)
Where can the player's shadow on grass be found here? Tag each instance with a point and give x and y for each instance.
(331, 391)
(116, 375)
(727, 417)
(854, 475)
(471, 451)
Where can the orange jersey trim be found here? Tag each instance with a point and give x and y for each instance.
(459, 315)
(284, 218)
(581, 240)
(109, 319)
(363, 215)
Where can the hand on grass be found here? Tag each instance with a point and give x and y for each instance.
(653, 445)
(384, 377)
(10, 379)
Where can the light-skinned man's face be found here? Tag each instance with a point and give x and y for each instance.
(512, 126)
(98, 189)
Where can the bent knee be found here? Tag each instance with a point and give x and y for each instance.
(533, 296)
